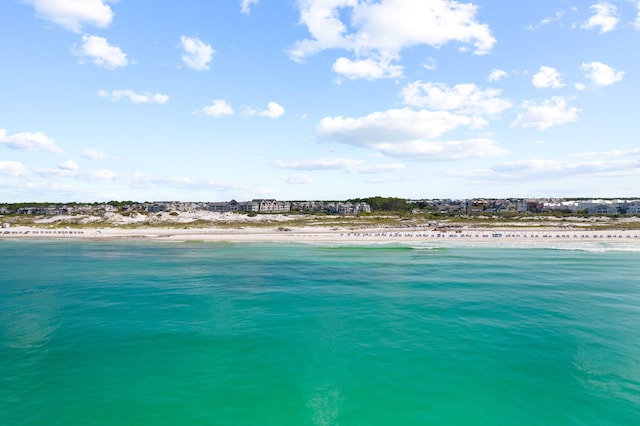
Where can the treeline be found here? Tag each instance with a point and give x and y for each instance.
(385, 204)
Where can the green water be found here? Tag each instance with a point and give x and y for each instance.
(132, 333)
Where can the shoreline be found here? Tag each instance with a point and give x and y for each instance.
(326, 235)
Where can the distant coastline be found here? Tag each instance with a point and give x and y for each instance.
(236, 227)
(390, 220)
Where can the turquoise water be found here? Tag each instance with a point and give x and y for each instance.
(131, 333)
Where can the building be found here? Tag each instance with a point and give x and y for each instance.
(530, 205)
(632, 207)
(602, 209)
(272, 206)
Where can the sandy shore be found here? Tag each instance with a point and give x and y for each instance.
(327, 235)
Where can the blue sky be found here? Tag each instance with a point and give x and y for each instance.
(318, 99)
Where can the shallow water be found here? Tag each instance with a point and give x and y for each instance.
(113, 333)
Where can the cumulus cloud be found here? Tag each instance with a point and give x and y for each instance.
(547, 77)
(245, 6)
(462, 98)
(12, 169)
(345, 164)
(135, 98)
(605, 18)
(196, 54)
(218, 108)
(273, 110)
(601, 74)
(368, 69)
(409, 134)
(381, 30)
(29, 142)
(74, 14)
(636, 23)
(101, 52)
(393, 125)
(497, 74)
(548, 113)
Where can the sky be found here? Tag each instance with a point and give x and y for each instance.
(198, 100)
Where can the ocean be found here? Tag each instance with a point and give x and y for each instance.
(158, 333)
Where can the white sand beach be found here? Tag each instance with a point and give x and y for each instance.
(329, 235)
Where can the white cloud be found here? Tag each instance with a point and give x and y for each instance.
(135, 98)
(74, 14)
(29, 142)
(430, 150)
(548, 20)
(297, 179)
(93, 154)
(383, 29)
(273, 110)
(550, 112)
(605, 18)
(380, 168)
(554, 168)
(409, 134)
(559, 15)
(393, 125)
(547, 77)
(320, 164)
(345, 164)
(600, 164)
(196, 53)
(12, 169)
(369, 69)
(608, 154)
(104, 174)
(497, 74)
(245, 6)
(636, 23)
(71, 170)
(462, 98)
(141, 180)
(218, 108)
(601, 74)
(56, 172)
(430, 64)
(69, 165)
(102, 53)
